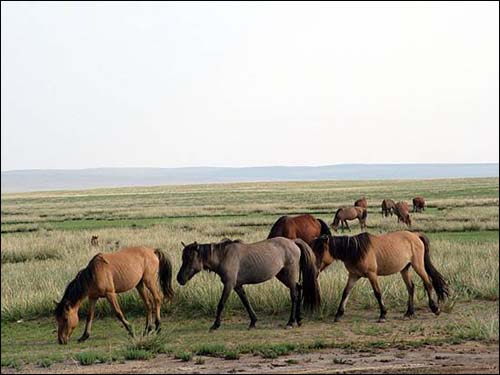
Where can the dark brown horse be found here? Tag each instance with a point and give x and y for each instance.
(306, 227)
(402, 211)
(94, 241)
(109, 274)
(370, 256)
(349, 213)
(361, 202)
(239, 264)
(418, 204)
(388, 207)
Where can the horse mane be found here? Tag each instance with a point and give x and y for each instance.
(206, 250)
(324, 228)
(274, 229)
(350, 248)
(76, 289)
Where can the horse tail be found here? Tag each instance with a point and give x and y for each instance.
(336, 217)
(312, 296)
(438, 281)
(165, 274)
(275, 228)
(364, 214)
(324, 228)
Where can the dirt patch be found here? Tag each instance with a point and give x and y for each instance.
(464, 358)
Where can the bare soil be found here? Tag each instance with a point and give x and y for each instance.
(467, 358)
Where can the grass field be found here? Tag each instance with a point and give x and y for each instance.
(45, 240)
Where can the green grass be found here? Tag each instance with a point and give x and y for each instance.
(45, 241)
(184, 356)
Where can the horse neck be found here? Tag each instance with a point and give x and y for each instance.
(211, 257)
(335, 247)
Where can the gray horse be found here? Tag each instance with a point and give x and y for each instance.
(238, 264)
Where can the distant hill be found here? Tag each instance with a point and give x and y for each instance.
(69, 179)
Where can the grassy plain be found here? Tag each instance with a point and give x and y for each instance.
(45, 240)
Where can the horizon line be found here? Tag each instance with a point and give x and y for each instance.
(248, 167)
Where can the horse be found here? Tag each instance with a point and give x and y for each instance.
(239, 264)
(370, 256)
(388, 207)
(106, 275)
(418, 204)
(361, 202)
(402, 212)
(306, 227)
(349, 213)
(94, 241)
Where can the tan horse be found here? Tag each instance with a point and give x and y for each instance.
(361, 202)
(370, 256)
(349, 213)
(402, 211)
(109, 274)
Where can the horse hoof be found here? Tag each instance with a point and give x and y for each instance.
(381, 320)
(289, 326)
(408, 316)
(82, 339)
(299, 323)
(213, 328)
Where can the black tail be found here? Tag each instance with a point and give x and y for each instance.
(165, 274)
(276, 228)
(312, 296)
(336, 219)
(364, 214)
(438, 281)
(324, 228)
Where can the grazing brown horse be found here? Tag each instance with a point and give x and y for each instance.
(388, 207)
(402, 211)
(238, 264)
(361, 202)
(370, 256)
(418, 204)
(306, 227)
(349, 213)
(109, 274)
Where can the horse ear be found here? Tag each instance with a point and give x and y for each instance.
(183, 244)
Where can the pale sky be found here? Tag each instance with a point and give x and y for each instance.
(246, 84)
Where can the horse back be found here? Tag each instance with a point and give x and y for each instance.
(122, 270)
(393, 251)
(260, 261)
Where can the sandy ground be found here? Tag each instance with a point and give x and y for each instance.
(464, 358)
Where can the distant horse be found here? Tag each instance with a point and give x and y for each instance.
(109, 274)
(388, 207)
(306, 227)
(94, 241)
(361, 202)
(402, 211)
(418, 204)
(238, 264)
(349, 213)
(367, 255)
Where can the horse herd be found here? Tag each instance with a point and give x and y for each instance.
(296, 250)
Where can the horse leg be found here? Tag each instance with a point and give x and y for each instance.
(293, 298)
(113, 301)
(298, 317)
(345, 295)
(406, 275)
(378, 295)
(243, 297)
(147, 302)
(220, 307)
(347, 225)
(152, 285)
(420, 270)
(90, 317)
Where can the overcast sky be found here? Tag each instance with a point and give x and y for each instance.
(247, 84)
